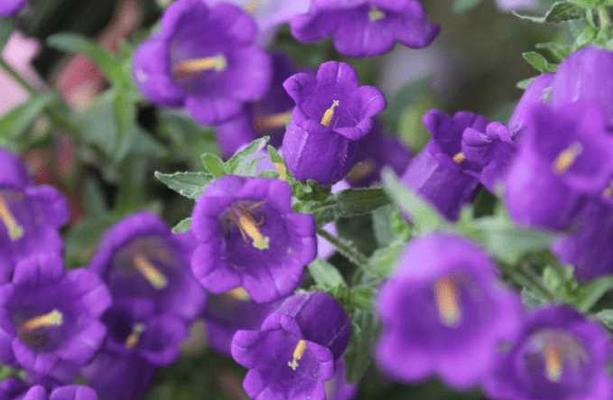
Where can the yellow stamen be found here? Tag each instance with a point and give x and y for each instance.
(326, 120)
(188, 67)
(273, 121)
(567, 158)
(252, 6)
(134, 338)
(282, 170)
(150, 272)
(447, 301)
(249, 227)
(459, 158)
(53, 318)
(8, 219)
(298, 354)
(375, 14)
(239, 293)
(554, 362)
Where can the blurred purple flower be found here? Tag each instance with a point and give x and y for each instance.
(140, 258)
(332, 114)
(444, 312)
(564, 156)
(517, 5)
(293, 354)
(30, 216)
(536, 93)
(249, 236)
(363, 28)
(441, 173)
(49, 318)
(10, 8)
(559, 355)
(15, 389)
(338, 388)
(204, 58)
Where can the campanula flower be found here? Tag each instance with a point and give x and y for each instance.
(15, 389)
(444, 312)
(564, 156)
(30, 216)
(364, 28)
(49, 318)
(204, 58)
(139, 257)
(586, 76)
(10, 8)
(538, 92)
(269, 116)
(293, 354)
(559, 355)
(332, 114)
(249, 236)
(441, 172)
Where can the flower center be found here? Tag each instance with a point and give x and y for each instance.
(134, 338)
(567, 158)
(326, 120)
(447, 301)
(252, 6)
(8, 219)
(150, 272)
(249, 226)
(216, 63)
(554, 362)
(273, 121)
(558, 351)
(239, 293)
(299, 350)
(52, 318)
(375, 14)
(459, 158)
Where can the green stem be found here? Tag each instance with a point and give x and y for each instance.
(528, 280)
(348, 251)
(603, 18)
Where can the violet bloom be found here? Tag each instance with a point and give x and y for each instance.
(538, 92)
(564, 156)
(588, 246)
(10, 8)
(205, 59)
(139, 257)
(376, 151)
(363, 28)
(72, 392)
(440, 172)
(294, 352)
(332, 114)
(269, 116)
(227, 313)
(249, 236)
(586, 76)
(30, 216)
(491, 152)
(559, 355)
(444, 312)
(49, 318)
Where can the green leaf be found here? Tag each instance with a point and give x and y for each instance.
(538, 62)
(354, 202)
(182, 226)
(461, 6)
(425, 217)
(560, 11)
(589, 294)
(14, 123)
(326, 276)
(606, 317)
(7, 26)
(213, 164)
(557, 51)
(384, 260)
(364, 336)
(187, 184)
(245, 162)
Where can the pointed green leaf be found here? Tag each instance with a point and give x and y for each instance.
(187, 184)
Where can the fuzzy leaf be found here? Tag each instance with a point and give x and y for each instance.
(326, 276)
(187, 184)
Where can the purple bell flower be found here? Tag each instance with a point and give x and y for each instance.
(203, 58)
(227, 313)
(49, 318)
(332, 114)
(139, 257)
(441, 172)
(249, 236)
(15, 389)
(586, 76)
(444, 312)
(559, 355)
(269, 116)
(564, 156)
(376, 151)
(10, 8)
(294, 352)
(116, 377)
(536, 93)
(363, 28)
(30, 216)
